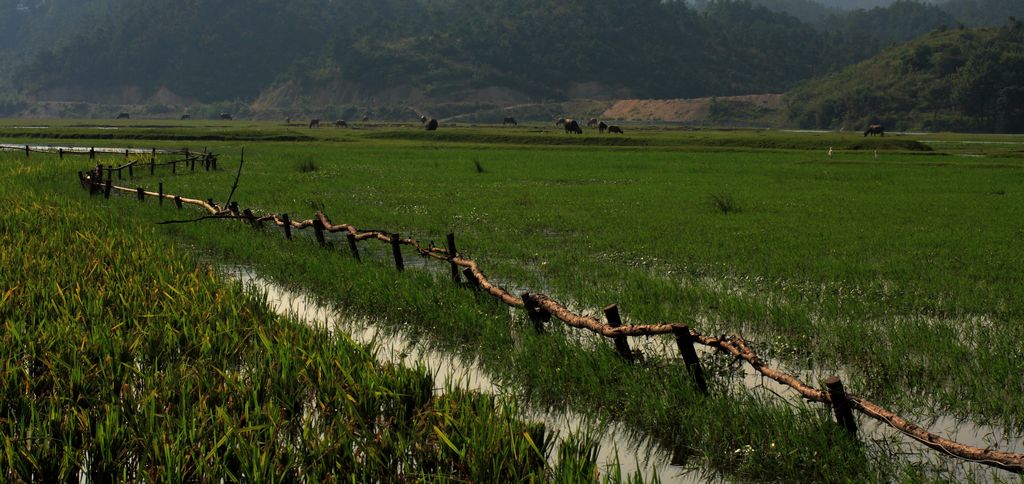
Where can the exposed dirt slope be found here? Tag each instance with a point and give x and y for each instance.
(688, 110)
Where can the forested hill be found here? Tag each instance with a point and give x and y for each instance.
(282, 53)
(958, 79)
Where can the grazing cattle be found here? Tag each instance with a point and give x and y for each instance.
(511, 121)
(314, 123)
(123, 116)
(432, 125)
(875, 129)
(561, 122)
(341, 123)
(366, 118)
(592, 123)
(226, 117)
(614, 129)
(571, 126)
(186, 117)
(601, 127)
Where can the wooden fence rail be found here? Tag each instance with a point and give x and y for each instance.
(540, 308)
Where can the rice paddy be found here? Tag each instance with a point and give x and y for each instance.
(896, 263)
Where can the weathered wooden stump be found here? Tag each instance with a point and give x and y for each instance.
(621, 344)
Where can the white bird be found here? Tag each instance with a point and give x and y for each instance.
(830, 152)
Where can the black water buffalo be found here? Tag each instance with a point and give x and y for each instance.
(226, 117)
(341, 123)
(592, 123)
(571, 126)
(185, 117)
(511, 121)
(602, 127)
(314, 123)
(432, 125)
(875, 129)
(123, 116)
(614, 129)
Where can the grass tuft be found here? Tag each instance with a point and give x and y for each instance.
(725, 203)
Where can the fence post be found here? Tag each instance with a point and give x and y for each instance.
(177, 202)
(193, 164)
(250, 217)
(287, 226)
(684, 340)
(352, 246)
(318, 230)
(537, 314)
(213, 161)
(92, 153)
(131, 171)
(126, 153)
(152, 166)
(161, 193)
(60, 151)
(396, 250)
(26, 151)
(621, 344)
(119, 172)
(174, 167)
(106, 189)
(452, 253)
(470, 278)
(142, 194)
(841, 404)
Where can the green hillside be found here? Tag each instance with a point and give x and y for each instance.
(162, 55)
(947, 80)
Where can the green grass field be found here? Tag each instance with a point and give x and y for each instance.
(897, 262)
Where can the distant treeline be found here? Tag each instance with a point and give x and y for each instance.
(237, 50)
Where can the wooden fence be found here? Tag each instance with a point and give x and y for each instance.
(541, 308)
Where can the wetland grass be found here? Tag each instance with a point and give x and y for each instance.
(888, 271)
(123, 358)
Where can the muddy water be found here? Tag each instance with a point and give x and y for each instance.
(79, 149)
(616, 444)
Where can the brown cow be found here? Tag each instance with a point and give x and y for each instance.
(314, 123)
(341, 123)
(875, 129)
(614, 129)
(511, 121)
(601, 127)
(592, 123)
(571, 126)
(226, 117)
